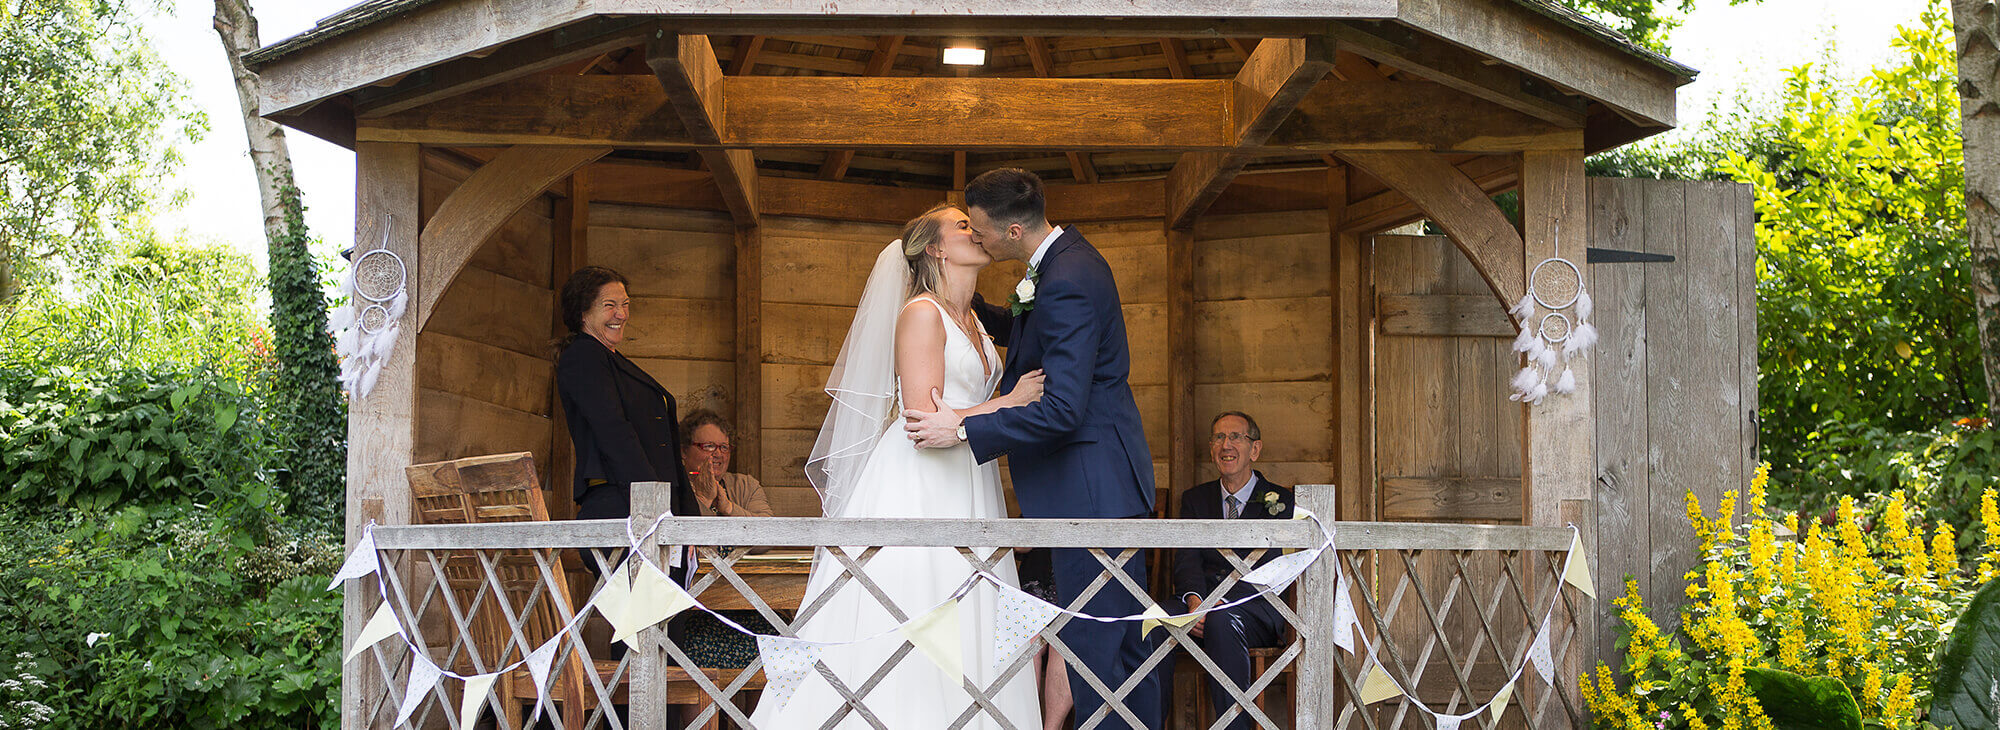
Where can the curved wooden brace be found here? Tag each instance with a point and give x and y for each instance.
(480, 206)
(1465, 212)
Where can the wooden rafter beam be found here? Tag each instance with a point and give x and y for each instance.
(692, 80)
(587, 39)
(478, 208)
(1177, 60)
(1466, 213)
(1493, 174)
(1459, 69)
(747, 48)
(1044, 62)
(1266, 90)
(977, 114)
(887, 48)
(1243, 48)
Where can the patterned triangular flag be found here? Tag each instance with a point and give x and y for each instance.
(1154, 616)
(786, 662)
(1378, 686)
(938, 636)
(654, 598)
(1451, 722)
(1538, 654)
(382, 626)
(477, 688)
(424, 677)
(539, 662)
(1500, 699)
(1576, 570)
(361, 561)
(1343, 615)
(1021, 618)
(1280, 572)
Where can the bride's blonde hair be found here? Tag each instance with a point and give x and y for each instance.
(926, 271)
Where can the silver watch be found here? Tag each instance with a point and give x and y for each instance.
(961, 433)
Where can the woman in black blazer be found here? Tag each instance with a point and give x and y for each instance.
(622, 422)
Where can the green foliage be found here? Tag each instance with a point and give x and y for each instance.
(1942, 469)
(85, 132)
(1798, 702)
(170, 618)
(309, 411)
(97, 440)
(1968, 678)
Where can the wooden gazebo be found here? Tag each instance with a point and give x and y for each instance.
(1236, 162)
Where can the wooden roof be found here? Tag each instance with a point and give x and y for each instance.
(1544, 64)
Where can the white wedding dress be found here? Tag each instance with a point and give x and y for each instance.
(900, 480)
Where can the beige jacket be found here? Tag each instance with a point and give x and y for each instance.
(747, 495)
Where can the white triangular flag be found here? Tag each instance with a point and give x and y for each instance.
(1538, 654)
(1378, 686)
(361, 561)
(654, 598)
(423, 678)
(1451, 722)
(382, 626)
(539, 662)
(1499, 703)
(477, 688)
(786, 662)
(1022, 617)
(1154, 616)
(1281, 571)
(938, 636)
(611, 600)
(1344, 624)
(1576, 570)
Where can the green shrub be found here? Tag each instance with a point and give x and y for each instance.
(171, 618)
(92, 441)
(1943, 470)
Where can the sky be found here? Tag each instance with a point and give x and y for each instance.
(1736, 48)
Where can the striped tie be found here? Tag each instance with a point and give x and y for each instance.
(1231, 508)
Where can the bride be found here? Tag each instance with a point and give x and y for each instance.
(914, 336)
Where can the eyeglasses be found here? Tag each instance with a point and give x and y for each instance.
(712, 447)
(1241, 438)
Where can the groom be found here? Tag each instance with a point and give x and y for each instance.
(1080, 451)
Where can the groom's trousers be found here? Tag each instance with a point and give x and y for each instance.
(1112, 651)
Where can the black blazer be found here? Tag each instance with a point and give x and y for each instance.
(1200, 570)
(625, 428)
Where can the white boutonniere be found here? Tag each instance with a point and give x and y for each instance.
(1271, 504)
(1023, 298)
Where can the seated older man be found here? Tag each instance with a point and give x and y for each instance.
(1241, 494)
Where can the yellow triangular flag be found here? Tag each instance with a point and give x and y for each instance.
(611, 599)
(1378, 686)
(381, 626)
(654, 598)
(1499, 704)
(476, 688)
(1154, 616)
(1576, 570)
(937, 635)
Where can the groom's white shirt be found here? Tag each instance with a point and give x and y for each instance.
(1035, 261)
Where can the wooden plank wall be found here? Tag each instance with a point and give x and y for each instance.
(1676, 374)
(1264, 337)
(485, 376)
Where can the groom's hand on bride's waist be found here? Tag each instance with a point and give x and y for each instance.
(943, 428)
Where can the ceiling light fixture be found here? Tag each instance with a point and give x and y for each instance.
(964, 53)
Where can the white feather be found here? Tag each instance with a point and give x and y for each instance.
(368, 379)
(1583, 305)
(345, 341)
(1548, 358)
(340, 318)
(1567, 383)
(387, 340)
(1526, 339)
(398, 304)
(1525, 380)
(1540, 393)
(1524, 308)
(1580, 341)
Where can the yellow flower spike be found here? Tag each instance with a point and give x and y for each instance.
(1700, 524)
(1944, 557)
(1989, 516)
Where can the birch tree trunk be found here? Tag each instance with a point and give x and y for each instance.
(1977, 26)
(237, 26)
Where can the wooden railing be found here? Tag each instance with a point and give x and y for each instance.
(1450, 609)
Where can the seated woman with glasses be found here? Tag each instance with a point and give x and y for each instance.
(705, 448)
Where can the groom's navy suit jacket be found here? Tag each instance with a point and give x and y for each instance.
(1080, 451)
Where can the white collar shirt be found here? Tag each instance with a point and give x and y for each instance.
(1035, 261)
(1241, 497)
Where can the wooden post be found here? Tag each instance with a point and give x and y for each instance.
(1317, 704)
(1353, 360)
(749, 351)
(1184, 442)
(1582, 657)
(648, 688)
(571, 251)
(381, 426)
(1559, 455)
